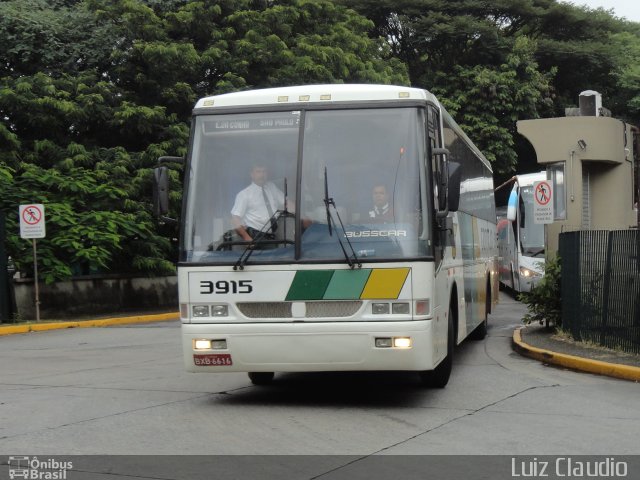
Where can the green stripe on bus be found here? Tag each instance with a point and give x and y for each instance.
(347, 284)
(309, 285)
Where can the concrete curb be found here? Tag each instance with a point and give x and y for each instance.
(104, 322)
(615, 370)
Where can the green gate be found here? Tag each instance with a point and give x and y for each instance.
(601, 287)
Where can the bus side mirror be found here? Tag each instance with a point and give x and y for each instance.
(161, 186)
(512, 205)
(442, 180)
(160, 191)
(455, 179)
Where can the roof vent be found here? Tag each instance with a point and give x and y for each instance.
(590, 103)
(590, 106)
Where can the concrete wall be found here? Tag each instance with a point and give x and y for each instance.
(95, 296)
(599, 146)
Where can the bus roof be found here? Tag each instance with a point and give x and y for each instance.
(316, 93)
(530, 178)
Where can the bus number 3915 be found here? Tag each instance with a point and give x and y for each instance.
(223, 287)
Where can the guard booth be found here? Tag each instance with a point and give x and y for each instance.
(589, 158)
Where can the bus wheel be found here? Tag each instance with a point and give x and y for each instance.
(439, 377)
(480, 332)
(261, 378)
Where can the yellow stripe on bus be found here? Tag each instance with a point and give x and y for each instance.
(385, 283)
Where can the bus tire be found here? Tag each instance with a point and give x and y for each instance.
(480, 332)
(261, 378)
(439, 376)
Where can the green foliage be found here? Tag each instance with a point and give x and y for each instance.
(88, 233)
(544, 301)
(92, 92)
(498, 62)
(51, 37)
(626, 75)
(96, 199)
(488, 100)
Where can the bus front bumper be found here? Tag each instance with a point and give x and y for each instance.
(311, 347)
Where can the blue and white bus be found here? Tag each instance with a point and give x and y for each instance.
(521, 242)
(330, 290)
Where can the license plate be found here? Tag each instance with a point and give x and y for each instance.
(213, 360)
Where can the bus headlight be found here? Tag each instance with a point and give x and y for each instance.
(395, 342)
(400, 308)
(380, 308)
(219, 311)
(527, 273)
(200, 310)
(202, 344)
(206, 344)
(402, 342)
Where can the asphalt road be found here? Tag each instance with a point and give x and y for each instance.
(122, 391)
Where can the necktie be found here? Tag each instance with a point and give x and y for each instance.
(274, 225)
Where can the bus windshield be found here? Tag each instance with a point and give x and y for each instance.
(531, 233)
(258, 180)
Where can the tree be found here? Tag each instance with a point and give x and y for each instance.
(626, 75)
(487, 101)
(92, 92)
(51, 36)
(468, 43)
(88, 190)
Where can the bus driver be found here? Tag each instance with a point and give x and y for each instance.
(381, 212)
(255, 205)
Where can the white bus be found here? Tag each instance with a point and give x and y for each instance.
(520, 239)
(330, 290)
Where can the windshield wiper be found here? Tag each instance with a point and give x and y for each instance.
(251, 246)
(352, 260)
(259, 238)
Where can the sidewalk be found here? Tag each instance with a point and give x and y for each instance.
(102, 321)
(536, 342)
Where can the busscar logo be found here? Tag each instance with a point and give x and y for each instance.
(38, 469)
(376, 233)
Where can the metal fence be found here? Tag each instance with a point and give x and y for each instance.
(601, 287)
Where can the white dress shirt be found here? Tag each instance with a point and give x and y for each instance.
(250, 206)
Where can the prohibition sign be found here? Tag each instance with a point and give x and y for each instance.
(32, 224)
(542, 193)
(32, 215)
